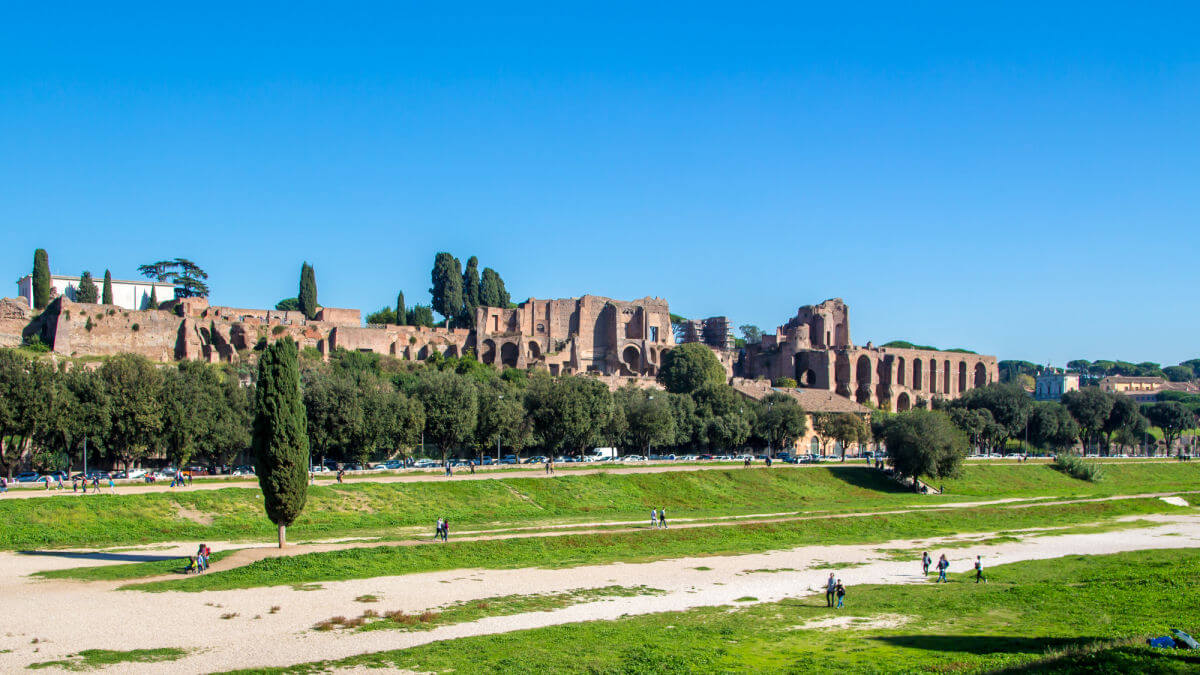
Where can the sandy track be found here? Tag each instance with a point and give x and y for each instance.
(66, 617)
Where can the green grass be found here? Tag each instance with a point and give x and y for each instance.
(1068, 615)
(473, 610)
(125, 571)
(89, 659)
(363, 509)
(638, 546)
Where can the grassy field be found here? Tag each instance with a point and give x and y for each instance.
(90, 659)
(639, 546)
(1069, 615)
(235, 514)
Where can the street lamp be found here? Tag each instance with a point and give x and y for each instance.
(501, 397)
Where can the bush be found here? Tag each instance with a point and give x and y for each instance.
(89, 324)
(784, 383)
(135, 328)
(1075, 467)
(278, 330)
(34, 344)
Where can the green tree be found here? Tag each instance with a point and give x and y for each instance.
(288, 305)
(25, 405)
(280, 437)
(649, 419)
(382, 316)
(502, 419)
(41, 279)
(847, 428)
(1173, 418)
(420, 315)
(192, 402)
(471, 294)
(687, 422)
(924, 443)
(333, 413)
(188, 278)
(106, 294)
(751, 334)
(1051, 426)
(153, 298)
(785, 383)
(1179, 373)
(401, 315)
(87, 291)
(134, 389)
(569, 413)
(307, 297)
(1090, 407)
(781, 421)
(451, 405)
(726, 417)
(690, 366)
(1124, 415)
(492, 292)
(1008, 403)
(229, 434)
(447, 288)
(974, 422)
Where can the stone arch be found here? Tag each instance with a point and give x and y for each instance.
(946, 377)
(933, 379)
(509, 354)
(962, 376)
(535, 351)
(900, 364)
(862, 378)
(841, 374)
(487, 351)
(918, 375)
(903, 402)
(806, 378)
(452, 350)
(632, 358)
(980, 375)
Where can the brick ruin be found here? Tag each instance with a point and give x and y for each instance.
(814, 348)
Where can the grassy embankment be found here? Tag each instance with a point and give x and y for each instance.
(640, 546)
(382, 509)
(1069, 615)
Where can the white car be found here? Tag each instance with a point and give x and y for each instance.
(136, 473)
(317, 468)
(633, 458)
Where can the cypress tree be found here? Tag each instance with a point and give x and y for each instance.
(308, 291)
(489, 288)
(280, 440)
(401, 317)
(41, 279)
(106, 293)
(503, 292)
(153, 298)
(86, 290)
(447, 285)
(470, 290)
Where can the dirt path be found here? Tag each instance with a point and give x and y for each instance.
(67, 617)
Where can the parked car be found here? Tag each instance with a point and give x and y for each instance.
(509, 459)
(27, 477)
(393, 464)
(318, 468)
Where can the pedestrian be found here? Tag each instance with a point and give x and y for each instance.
(979, 570)
(551, 460)
(547, 466)
(662, 518)
(341, 474)
(471, 464)
(3, 485)
(111, 487)
(47, 481)
(437, 533)
(445, 529)
(926, 561)
(830, 587)
(189, 483)
(653, 518)
(74, 483)
(942, 566)
(840, 590)
(95, 483)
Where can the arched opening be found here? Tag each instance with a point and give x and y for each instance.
(487, 354)
(962, 376)
(933, 383)
(841, 335)
(535, 352)
(900, 374)
(946, 376)
(808, 378)
(903, 402)
(509, 353)
(917, 375)
(452, 350)
(862, 377)
(632, 358)
(841, 374)
(814, 446)
(980, 375)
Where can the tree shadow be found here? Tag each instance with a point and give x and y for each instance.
(867, 478)
(99, 555)
(985, 644)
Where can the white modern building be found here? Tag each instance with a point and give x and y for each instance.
(1052, 385)
(126, 294)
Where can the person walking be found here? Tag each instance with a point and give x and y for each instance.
(830, 589)
(445, 529)
(547, 466)
(942, 566)
(112, 486)
(840, 591)
(653, 518)
(437, 532)
(3, 485)
(471, 465)
(979, 570)
(662, 518)
(74, 484)
(95, 483)
(926, 561)
(189, 484)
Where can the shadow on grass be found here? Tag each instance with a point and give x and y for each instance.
(112, 557)
(986, 644)
(867, 478)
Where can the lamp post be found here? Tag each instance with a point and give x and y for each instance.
(501, 398)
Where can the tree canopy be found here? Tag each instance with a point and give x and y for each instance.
(924, 443)
(41, 279)
(688, 367)
(187, 277)
(86, 290)
(306, 298)
(280, 438)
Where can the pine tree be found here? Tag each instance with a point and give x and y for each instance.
(153, 298)
(86, 290)
(106, 297)
(41, 279)
(447, 285)
(280, 439)
(308, 291)
(401, 317)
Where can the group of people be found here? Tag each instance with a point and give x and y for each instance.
(199, 563)
(77, 483)
(181, 479)
(443, 529)
(658, 518)
(834, 589)
(943, 564)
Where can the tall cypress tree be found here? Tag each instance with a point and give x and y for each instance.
(401, 317)
(280, 438)
(470, 291)
(447, 285)
(86, 290)
(41, 279)
(491, 289)
(106, 297)
(153, 298)
(308, 291)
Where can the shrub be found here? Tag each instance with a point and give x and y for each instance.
(278, 330)
(88, 326)
(135, 328)
(1075, 467)
(785, 383)
(34, 344)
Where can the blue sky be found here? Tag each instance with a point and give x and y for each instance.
(1020, 179)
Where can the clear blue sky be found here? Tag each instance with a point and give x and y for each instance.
(1022, 180)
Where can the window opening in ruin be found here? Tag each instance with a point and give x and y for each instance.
(654, 333)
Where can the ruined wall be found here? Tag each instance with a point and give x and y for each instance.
(14, 317)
